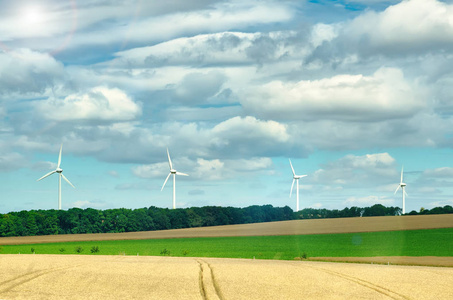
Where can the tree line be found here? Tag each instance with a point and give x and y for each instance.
(89, 220)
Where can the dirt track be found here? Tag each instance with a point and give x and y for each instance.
(320, 226)
(131, 277)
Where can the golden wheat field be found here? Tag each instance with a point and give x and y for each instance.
(130, 277)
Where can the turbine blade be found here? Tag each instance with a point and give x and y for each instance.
(405, 193)
(165, 181)
(291, 191)
(48, 174)
(294, 173)
(402, 174)
(300, 176)
(183, 174)
(59, 156)
(67, 180)
(397, 189)
(169, 160)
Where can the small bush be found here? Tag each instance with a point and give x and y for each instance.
(32, 250)
(94, 249)
(62, 250)
(165, 252)
(304, 255)
(185, 252)
(78, 249)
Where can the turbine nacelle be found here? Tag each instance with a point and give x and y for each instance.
(59, 170)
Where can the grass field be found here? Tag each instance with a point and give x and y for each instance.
(428, 242)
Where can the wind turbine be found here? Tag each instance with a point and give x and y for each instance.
(295, 178)
(402, 185)
(60, 173)
(174, 173)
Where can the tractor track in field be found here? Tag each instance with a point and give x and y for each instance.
(8, 285)
(209, 288)
(380, 289)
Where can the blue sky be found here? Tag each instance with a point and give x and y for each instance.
(349, 90)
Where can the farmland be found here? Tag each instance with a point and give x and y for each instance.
(116, 272)
(316, 239)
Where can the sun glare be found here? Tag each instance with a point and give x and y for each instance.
(32, 15)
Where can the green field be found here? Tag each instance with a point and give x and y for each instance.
(428, 242)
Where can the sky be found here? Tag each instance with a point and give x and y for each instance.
(349, 90)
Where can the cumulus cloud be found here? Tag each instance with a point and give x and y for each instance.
(198, 87)
(221, 49)
(358, 171)
(99, 104)
(444, 172)
(369, 201)
(10, 161)
(249, 136)
(407, 27)
(441, 203)
(206, 169)
(210, 169)
(214, 18)
(151, 170)
(207, 49)
(28, 73)
(385, 94)
(407, 30)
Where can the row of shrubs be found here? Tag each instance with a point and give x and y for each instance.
(78, 249)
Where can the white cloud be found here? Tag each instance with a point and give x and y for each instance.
(444, 172)
(220, 49)
(368, 201)
(215, 18)
(253, 164)
(11, 160)
(216, 48)
(86, 204)
(357, 171)
(206, 169)
(385, 94)
(235, 128)
(441, 203)
(323, 33)
(27, 73)
(151, 170)
(316, 205)
(210, 169)
(100, 103)
(407, 27)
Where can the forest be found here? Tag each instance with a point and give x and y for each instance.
(89, 220)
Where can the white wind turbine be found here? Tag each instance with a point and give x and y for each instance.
(174, 173)
(60, 173)
(402, 185)
(295, 179)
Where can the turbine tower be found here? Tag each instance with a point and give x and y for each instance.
(295, 178)
(174, 173)
(60, 173)
(402, 185)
